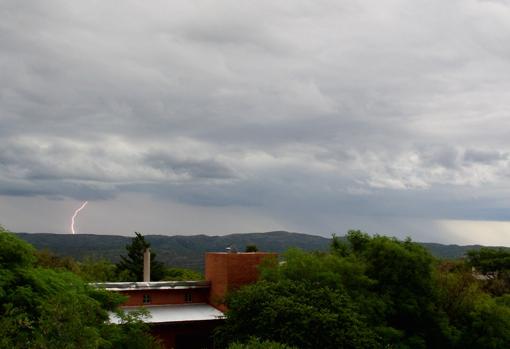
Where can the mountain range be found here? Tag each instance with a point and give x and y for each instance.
(188, 251)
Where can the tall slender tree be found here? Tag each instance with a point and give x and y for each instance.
(132, 264)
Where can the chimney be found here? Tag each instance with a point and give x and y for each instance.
(147, 265)
(228, 271)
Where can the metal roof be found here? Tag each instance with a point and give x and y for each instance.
(152, 285)
(175, 313)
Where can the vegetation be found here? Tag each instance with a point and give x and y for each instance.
(89, 270)
(54, 308)
(177, 251)
(102, 270)
(188, 251)
(251, 248)
(179, 274)
(368, 292)
(132, 264)
(255, 343)
(493, 265)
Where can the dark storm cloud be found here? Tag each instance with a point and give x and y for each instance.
(191, 167)
(299, 108)
(485, 156)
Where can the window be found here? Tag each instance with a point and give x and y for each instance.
(187, 297)
(146, 299)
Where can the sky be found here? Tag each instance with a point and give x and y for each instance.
(218, 117)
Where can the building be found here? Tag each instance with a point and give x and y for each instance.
(183, 314)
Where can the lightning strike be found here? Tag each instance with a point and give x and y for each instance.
(75, 214)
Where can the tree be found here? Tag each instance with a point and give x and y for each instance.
(179, 274)
(302, 302)
(367, 292)
(494, 265)
(50, 260)
(98, 270)
(292, 313)
(490, 261)
(255, 343)
(132, 264)
(53, 308)
(251, 248)
(403, 272)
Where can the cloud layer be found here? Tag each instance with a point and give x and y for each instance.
(308, 113)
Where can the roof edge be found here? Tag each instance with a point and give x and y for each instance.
(152, 285)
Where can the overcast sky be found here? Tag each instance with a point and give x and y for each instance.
(216, 117)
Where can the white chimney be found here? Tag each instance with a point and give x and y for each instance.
(147, 265)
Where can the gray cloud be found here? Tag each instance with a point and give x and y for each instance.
(302, 111)
(484, 156)
(193, 168)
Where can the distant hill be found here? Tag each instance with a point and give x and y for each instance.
(179, 251)
(448, 251)
(188, 251)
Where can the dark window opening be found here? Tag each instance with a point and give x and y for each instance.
(146, 299)
(188, 298)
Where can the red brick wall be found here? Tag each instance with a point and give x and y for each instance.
(159, 297)
(168, 333)
(228, 271)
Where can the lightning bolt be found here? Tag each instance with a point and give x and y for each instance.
(75, 214)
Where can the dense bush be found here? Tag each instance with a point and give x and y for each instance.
(367, 292)
(54, 308)
(255, 343)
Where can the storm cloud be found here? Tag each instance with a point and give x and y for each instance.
(307, 115)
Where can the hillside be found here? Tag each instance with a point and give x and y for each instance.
(179, 251)
(188, 251)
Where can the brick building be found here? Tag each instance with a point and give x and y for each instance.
(183, 314)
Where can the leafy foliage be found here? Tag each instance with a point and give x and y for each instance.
(188, 251)
(255, 343)
(15, 252)
(132, 264)
(99, 270)
(179, 274)
(292, 313)
(367, 292)
(102, 270)
(490, 260)
(251, 248)
(494, 265)
(54, 308)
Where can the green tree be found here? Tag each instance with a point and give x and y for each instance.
(50, 260)
(132, 264)
(255, 343)
(303, 302)
(292, 313)
(494, 265)
(367, 292)
(403, 274)
(90, 270)
(476, 320)
(54, 308)
(251, 248)
(490, 260)
(100, 270)
(178, 274)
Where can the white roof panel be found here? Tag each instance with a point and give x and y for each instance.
(175, 313)
(152, 285)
